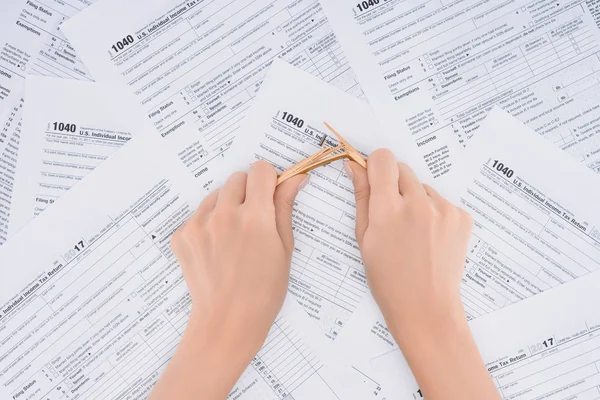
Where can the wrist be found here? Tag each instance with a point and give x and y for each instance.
(221, 355)
(220, 342)
(206, 364)
(427, 325)
(444, 343)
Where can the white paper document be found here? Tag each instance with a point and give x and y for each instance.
(441, 66)
(535, 228)
(92, 299)
(285, 126)
(546, 347)
(69, 127)
(32, 44)
(195, 66)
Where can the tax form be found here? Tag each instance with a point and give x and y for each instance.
(34, 45)
(98, 308)
(442, 65)
(70, 126)
(546, 347)
(195, 66)
(284, 126)
(535, 228)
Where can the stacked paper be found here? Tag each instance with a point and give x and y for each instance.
(95, 177)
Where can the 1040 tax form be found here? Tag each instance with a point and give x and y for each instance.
(442, 65)
(286, 125)
(195, 67)
(100, 305)
(34, 46)
(69, 128)
(535, 228)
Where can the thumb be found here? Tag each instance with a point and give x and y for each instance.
(284, 197)
(362, 191)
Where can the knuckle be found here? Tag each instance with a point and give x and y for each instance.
(404, 168)
(181, 232)
(361, 194)
(431, 192)
(252, 221)
(235, 180)
(466, 218)
(448, 210)
(382, 214)
(238, 176)
(262, 167)
(381, 154)
(222, 217)
(281, 199)
(184, 237)
(176, 239)
(422, 211)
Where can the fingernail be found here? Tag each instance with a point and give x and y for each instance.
(304, 182)
(348, 170)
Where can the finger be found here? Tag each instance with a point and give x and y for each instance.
(260, 187)
(382, 171)
(284, 198)
(408, 183)
(431, 192)
(362, 191)
(443, 206)
(234, 190)
(208, 204)
(204, 210)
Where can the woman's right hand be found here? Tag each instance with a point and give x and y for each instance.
(414, 244)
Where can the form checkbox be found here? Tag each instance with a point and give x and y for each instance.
(523, 9)
(61, 48)
(22, 68)
(188, 89)
(193, 98)
(278, 29)
(439, 76)
(531, 24)
(289, 43)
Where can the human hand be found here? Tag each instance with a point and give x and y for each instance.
(235, 253)
(413, 243)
